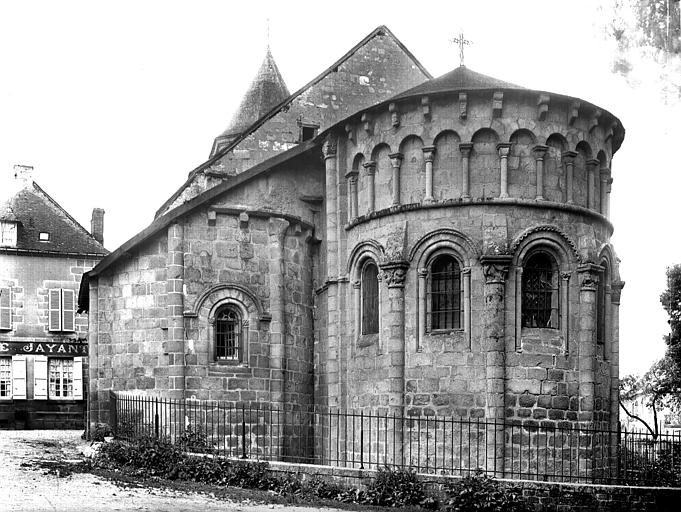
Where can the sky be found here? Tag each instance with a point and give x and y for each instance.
(114, 103)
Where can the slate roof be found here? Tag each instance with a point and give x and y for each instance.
(267, 90)
(36, 213)
(460, 78)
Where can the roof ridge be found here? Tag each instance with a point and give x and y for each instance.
(217, 155)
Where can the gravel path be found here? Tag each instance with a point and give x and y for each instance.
(27, 485)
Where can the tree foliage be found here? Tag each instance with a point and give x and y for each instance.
(653, 23)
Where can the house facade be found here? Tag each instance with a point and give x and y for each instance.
(43, 341)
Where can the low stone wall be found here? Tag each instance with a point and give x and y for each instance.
(540, 496)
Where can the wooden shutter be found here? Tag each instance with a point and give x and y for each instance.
(19, 377)
(5, 308)
(54, 312)
(40, 377)
(68, 310)
(78, 378)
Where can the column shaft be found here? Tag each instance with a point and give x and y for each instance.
(429, 155)
(174, 344)
(396, 162)
(465, 149)
(569, 160)
(540, 153)
(370, 169)
(503, 149)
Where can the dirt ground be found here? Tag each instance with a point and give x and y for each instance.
(33, 478)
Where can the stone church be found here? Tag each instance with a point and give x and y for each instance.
(379, 240)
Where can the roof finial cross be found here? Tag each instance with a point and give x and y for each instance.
(461, 41)
(268, 33)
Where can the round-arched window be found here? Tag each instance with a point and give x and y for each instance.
(228, 334)
(540, 292)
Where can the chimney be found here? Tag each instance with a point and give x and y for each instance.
(97, 225)
(23, 175)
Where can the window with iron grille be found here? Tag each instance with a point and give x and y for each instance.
(5, 377)
(369, 286)
(444, 294)
(61, 378)
(540, 292)
(228, 336)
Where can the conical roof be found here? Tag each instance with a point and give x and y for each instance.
(460, 78)
(266, 91)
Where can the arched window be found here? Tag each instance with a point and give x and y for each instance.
(540, 306)
(444, 294)
(369, 286)
(600, 305)
(228, 335)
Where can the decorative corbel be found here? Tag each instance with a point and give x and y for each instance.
(543, 106)
(366, 124)
(595, 119)
(394, 115)
(212, 217)
(463, 105)
(425, 107)
(497, 103)
(350, 132)
(573, 112)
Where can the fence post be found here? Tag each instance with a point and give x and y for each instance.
(156, 418)
(243, 432)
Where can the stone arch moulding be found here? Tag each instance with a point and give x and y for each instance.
(359, 256)
(443, 241)
(239, 293)
(606, 252)
(362, 250)
(554, 241)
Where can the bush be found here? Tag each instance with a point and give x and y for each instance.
(100, 431)
(194, 439)
(149, 456)
(395, 488)
(481, 493)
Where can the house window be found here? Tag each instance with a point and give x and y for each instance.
(369, 285)
(61, 378)
(307, 131)
(540, 292)
(228, 335)
(5, 377)
(62, 310)
(8, 234)
(444, 294)
(44, 237)
(5, 309)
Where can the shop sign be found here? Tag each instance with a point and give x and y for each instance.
(44, 348)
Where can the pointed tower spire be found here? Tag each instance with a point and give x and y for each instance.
(267, 90)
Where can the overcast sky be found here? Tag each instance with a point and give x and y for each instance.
(114, 103)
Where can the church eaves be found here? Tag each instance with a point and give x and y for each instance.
(267, 90)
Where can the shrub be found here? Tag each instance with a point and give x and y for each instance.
(396, 488)
(481, 493)
(100, 431)
(194, 439)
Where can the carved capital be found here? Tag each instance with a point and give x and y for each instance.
(396, 159)
(616, 292)
(605, 174)
(352, 175)
(593, 164)
(423, 272)
(370, 168)
(495, 268)
(565, 276)
(428, 153)
(357, 285)
(465, 148)
(503, 148)
(329, 148)
(540, 151)
(568, 157)
(395, 273)
(588, 277)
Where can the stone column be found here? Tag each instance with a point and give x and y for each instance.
(503, 148)
(466, 274)
(465, 149)
(569, 161)
(607, 198)
(357, 308)
(423, 306)
(332, 294)
(565, 309)
(592, 169)
(394, 274)
(351, 177)
(396, 163)
(370, 170)
(586, 337)
(605, 178)
(615, 295)
(174, 344)
(429, 156)
(539, 154)
(495, 268)
(276, 230)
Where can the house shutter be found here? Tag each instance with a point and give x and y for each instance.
(68, 310)
(5, 308)
(40, 377)
(55, 310)
(78, 378)
(19, 377)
